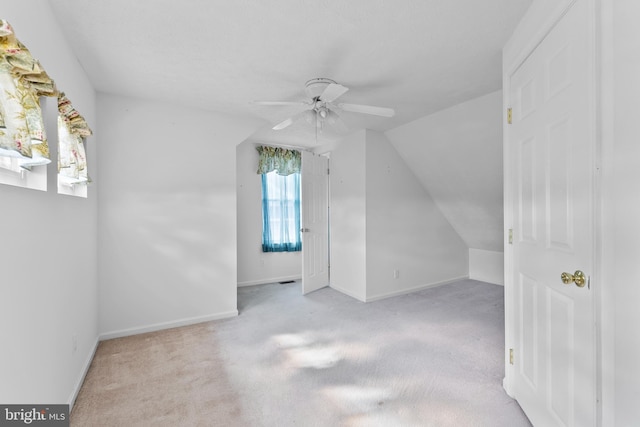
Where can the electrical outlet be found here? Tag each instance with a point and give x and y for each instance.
(74, 343)
(396, 274)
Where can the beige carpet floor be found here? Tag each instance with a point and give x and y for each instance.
(431, 358)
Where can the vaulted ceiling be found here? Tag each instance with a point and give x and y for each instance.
(416, 56)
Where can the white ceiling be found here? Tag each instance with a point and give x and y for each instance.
(416, 56)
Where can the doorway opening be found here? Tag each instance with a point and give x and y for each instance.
(255, 267)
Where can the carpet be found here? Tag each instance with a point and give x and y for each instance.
(430, 358)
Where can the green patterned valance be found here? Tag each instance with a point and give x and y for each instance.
(283, 161)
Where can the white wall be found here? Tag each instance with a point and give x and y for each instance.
(486, 266)
(457, 156)
(348, 216)
(383, 220)
(254, 266)
(48, 280)
(167, 225)
(625, 209)
(405, 229)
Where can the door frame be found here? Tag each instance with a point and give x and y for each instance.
(538, 22)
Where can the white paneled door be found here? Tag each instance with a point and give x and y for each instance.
(315, 222)
(551, 141)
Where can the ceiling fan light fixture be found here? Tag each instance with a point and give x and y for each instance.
(310, 117)
(336, 122)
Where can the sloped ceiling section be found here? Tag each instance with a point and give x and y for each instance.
(457, 155)
(416, 56)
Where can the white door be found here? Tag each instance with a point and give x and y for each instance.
(315, 222)
(551, 141)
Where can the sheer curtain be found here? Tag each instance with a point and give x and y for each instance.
(281, 213)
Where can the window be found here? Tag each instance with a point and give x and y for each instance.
(12, 174)
(24, 151)
(281, 212)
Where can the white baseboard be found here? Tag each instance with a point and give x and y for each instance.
(83, 374)
(265, 281)
(414, 289)
(347, 293)
(507, 387)
(166, 325)
(493, 280)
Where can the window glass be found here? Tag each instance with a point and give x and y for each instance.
(281, 213)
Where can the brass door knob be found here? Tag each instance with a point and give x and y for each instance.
(579, 278)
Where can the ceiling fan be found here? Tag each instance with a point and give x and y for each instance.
(322, 108)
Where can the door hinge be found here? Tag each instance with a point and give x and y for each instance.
(328, 171)
(511, 236)
(511, 356)
(509, 115)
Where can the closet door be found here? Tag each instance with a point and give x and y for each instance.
(551, 141)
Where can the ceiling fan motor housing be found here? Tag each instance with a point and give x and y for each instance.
(315, 87)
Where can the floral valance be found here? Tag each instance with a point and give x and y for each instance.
(23, 81)
(75, 122)
(282, 160)
(72, 159)
(22, 135)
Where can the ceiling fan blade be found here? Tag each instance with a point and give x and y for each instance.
(283, 124)
(333, 92)
(368, 109)
(279, 103)
(288, 122)
(336, 122)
